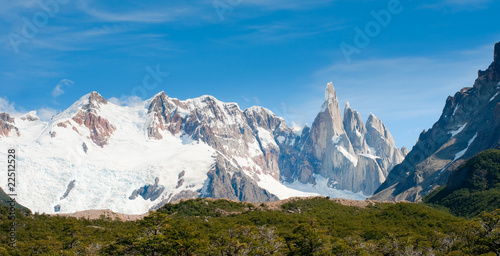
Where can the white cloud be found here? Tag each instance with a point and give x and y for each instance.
(257, 101)
(129, 101)
(59, 89)
(466, 2)
(286, 4)
(297, 128)
(12, 8)
(8, 107)
(175, 11)
(45, 114)
(458, 5)
(144, 14)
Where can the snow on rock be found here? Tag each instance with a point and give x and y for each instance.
(335, 139)
(322, 188)
(369, 156)
(353, 159)
(494, 96)
(281, 139)
(455, 110)
(459, 130)
(462, 152)
(266, 138)
(106, 176)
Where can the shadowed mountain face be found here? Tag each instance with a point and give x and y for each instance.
(469, 124)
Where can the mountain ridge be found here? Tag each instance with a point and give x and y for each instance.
(184, 149)
(469, 124)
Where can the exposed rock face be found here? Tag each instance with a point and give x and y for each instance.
(30, 116)
(405, 151)
(275, 139)
(381, 144)
(351, 155)
(226, 181)
(7, 126)
(100, 128)
(71, 185)
(148, 192)
(470, 123)
(258, 142)
(6, 118)
(252, 134)
(84, 147)
(355, 130)
(185, 194)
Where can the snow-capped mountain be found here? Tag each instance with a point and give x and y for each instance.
(130, 159)
(349, 154)
(469, 124)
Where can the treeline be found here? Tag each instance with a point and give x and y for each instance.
(471, 189)
(315, 226)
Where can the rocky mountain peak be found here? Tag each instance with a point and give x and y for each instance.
(497, 53)
(347, 106)
(158, 102)
(492, 74)
(405, 151)
(6, 118)
(371, 118)
(160, 94)
(259, 110)
(7, 125)
(96, 97)
(342, 149)
(355, 129)
(468, 125)
(30, 116)
(100, 128)
(332, 109)
(375, 123)
(94, 101)
(260, 116)
(380, 139)
(163, 110)
(330, 94)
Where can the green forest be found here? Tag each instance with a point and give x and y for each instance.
(315, 226)
(461, 218)
(473, 188)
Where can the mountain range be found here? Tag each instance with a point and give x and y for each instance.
(136, 158)
(131, 159)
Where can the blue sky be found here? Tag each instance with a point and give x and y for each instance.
(277, 54)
